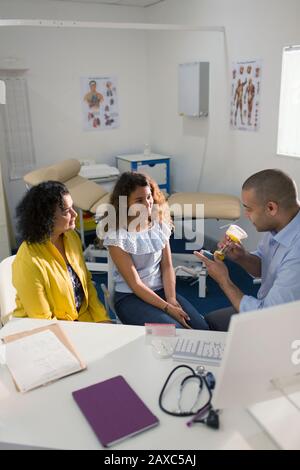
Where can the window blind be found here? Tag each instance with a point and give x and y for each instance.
(288, 142)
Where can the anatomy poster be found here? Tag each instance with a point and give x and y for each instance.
(245, 95)
(99, 103)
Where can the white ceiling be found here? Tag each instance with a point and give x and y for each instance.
(130, 3)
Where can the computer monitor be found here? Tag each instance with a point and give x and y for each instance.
(261, 347)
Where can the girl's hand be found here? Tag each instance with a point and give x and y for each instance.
(173, 301)
(179, 315)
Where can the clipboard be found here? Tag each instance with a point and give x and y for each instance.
(60, 336)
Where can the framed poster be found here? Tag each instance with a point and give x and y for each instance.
(99, 103)
(245, 95)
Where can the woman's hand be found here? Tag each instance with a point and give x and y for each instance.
(179, 315)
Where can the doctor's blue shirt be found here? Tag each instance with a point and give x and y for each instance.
(280, 268)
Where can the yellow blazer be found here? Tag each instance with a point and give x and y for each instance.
(44, 288)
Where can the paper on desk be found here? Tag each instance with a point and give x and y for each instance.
(38, 359)
(2, 353)
(4, 392)
(236, 442)
(281, 419)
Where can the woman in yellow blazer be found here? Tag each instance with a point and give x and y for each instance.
(49, 272)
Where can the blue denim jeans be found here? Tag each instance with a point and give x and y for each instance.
(134, 311)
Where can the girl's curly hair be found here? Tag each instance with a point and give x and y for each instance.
(129, 182)
(36, 211)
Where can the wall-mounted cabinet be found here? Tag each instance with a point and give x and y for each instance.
(193, 89)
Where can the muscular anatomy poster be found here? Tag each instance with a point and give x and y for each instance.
(245, 95)
(99, 103)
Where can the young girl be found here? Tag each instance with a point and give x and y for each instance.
(145, 285)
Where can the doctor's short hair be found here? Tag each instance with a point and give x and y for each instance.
(273, 185)
(36, 211)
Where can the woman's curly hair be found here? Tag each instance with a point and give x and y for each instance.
(36, 211)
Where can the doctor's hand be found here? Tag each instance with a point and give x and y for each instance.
(233, 250)
(216, 269)
(179, 315)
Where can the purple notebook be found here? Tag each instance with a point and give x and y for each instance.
(114, 410)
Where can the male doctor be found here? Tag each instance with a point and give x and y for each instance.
(271, 203)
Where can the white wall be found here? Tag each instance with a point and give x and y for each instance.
(254, 30)
(56, 59)
(189, 140)
(58, 10)
(146, 65)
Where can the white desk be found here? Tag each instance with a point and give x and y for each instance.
(49, 417)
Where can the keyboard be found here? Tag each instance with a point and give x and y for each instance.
(198, 351)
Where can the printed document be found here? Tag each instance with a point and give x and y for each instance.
(39, 358)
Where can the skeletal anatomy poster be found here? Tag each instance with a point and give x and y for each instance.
(99, 103)
(245, 95)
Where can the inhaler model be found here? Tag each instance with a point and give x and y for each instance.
(236, 234)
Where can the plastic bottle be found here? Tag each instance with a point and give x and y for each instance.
(236, 234)
(147, 150)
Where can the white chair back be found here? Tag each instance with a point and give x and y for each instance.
(7, 290)
(110, 289)
(110, 278)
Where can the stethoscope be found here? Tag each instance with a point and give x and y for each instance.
(206, 414)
